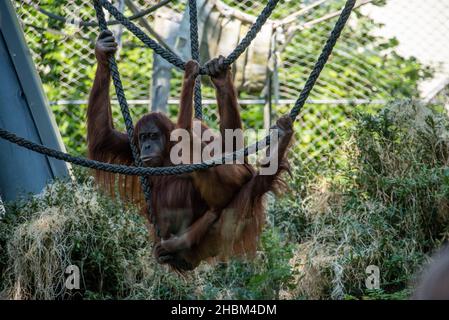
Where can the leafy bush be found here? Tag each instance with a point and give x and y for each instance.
(70, 224)
(388, 207)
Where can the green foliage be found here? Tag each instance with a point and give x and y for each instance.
(375, 191)
(362, 66)
(70, 224)
(267, 277)
(382, 295)
(388, 207)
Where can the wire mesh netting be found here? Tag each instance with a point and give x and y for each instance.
(391, 50)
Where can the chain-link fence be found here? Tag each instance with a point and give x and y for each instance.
(391, 50)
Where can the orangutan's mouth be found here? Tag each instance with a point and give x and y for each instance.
(150, 161)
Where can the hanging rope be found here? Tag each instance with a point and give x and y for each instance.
(176, 60)
(176, 170)
(195, 50)
(168, 55)
(322, 60)
(115, 74)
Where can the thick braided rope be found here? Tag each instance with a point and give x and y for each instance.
(98, 165)
(195, 51)
(115, 74)
(252, 33)
(171, 56)
(150, 43)
(322, 60)
(176, 170)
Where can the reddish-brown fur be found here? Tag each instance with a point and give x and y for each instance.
(210, 213)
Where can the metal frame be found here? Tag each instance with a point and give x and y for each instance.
(33, 117)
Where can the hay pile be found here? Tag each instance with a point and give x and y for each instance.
(388, 207)
(70, 224)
